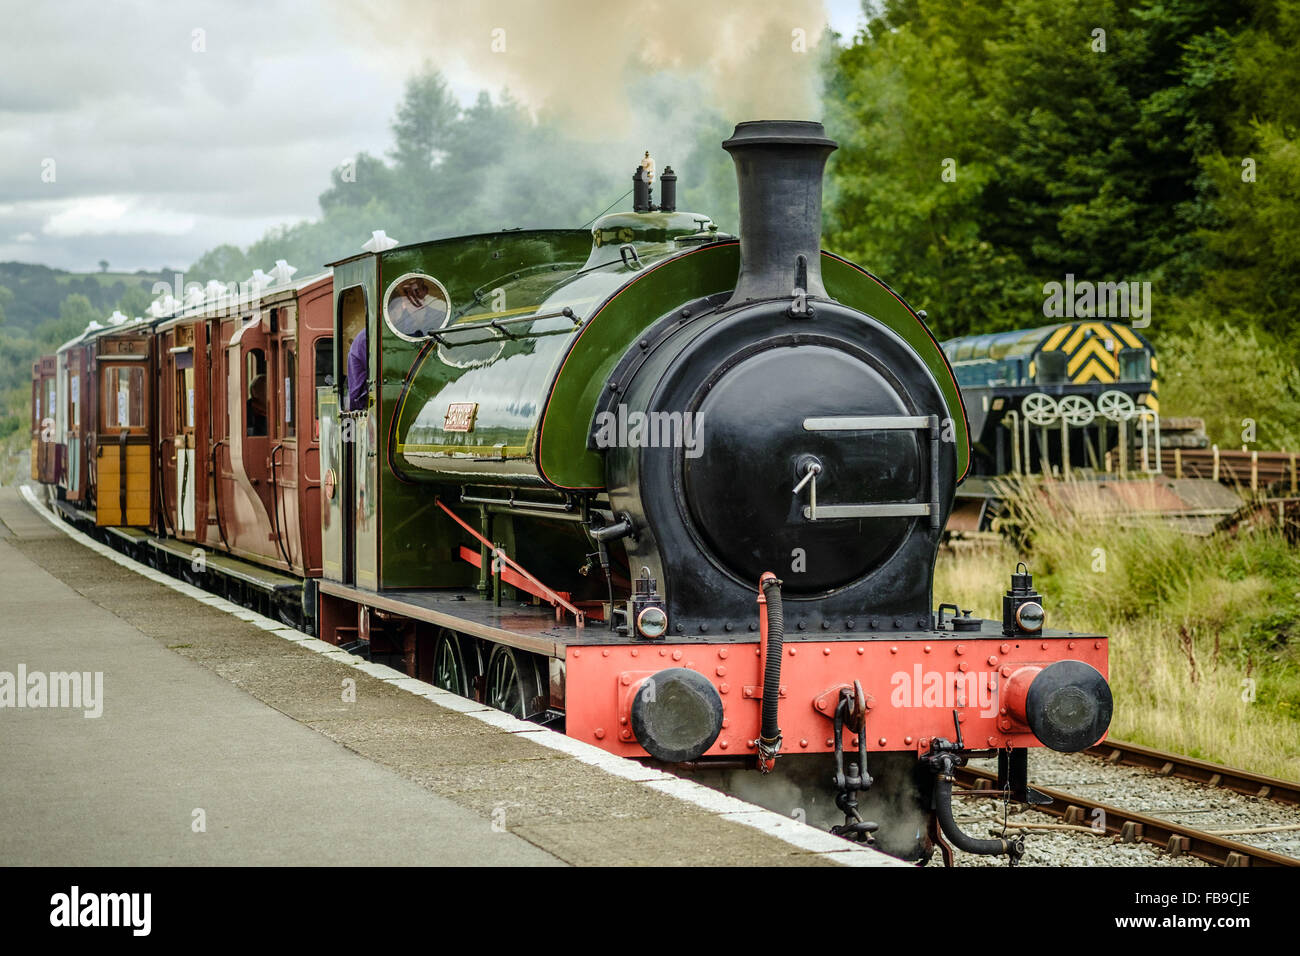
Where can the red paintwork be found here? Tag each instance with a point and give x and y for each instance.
(47, 451)
(899, 716)
(81, 363)
(270, 516)
(557, 599)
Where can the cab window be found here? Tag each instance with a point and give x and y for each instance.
(1050, 368)
(1134, 365)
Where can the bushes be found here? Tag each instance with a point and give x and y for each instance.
(1232, 376)
(1205, 654)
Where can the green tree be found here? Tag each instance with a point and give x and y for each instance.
(75, 313)
(134, 301)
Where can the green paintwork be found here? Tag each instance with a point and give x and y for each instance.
(417, 539)
(507, 378)
(861, 290)
(566, 460)
(536, 392)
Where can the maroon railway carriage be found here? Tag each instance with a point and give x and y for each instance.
(192, 439)
(238, 451)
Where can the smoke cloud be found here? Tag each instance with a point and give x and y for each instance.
(585, 62)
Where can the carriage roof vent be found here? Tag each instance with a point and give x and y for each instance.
(282, 272)
(379, 241)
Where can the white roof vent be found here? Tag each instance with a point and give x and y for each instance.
(379, 241)
(282, 272)
(258, 281)
(117, 318)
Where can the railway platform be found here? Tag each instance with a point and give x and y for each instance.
(198, 733)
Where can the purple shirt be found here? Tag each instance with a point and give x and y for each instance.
(358, 372)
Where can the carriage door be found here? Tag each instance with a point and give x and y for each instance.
(76, 449)
(123, 453)
(284, 433)
(49, 430)
(347, 506)
(36, 421)
(250, 398)
(183, 408)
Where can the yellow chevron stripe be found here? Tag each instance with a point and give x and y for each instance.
(1094, 370)
(1152, 403)
(1083, 328)
(1055, 339)
(1155, 386)
(1096, 349)
(1131, 340)
(1155, 366)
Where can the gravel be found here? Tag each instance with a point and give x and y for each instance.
(1179, 801)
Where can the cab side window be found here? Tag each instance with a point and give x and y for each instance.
(1051, 368)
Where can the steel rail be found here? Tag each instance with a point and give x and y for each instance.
(1124, 754)
(1133, 827)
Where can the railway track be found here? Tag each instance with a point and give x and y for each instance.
(1121, 753)
(1130, 826)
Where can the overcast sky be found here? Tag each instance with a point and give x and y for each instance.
(145, 133)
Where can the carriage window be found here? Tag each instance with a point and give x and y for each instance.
(290, 391)
(1134, 365)
(255, 397)
(51, 400)
(324, 361)
(74, 399)
(123, 399)
(1051, 368)
(324, 369)
(184, 391)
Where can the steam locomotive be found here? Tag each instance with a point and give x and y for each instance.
(677, 493)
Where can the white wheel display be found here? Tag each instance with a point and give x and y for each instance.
(1039, 409)
(1116, 406)
(1076, 411)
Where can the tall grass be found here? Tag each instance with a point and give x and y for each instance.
(1205, 631)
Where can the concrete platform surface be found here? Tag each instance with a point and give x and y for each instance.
(230, 740)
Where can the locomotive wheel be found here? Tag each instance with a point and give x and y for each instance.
(1116, 405)
(1076, 411)
(514, 683)
(1039, 409)
(452, 670)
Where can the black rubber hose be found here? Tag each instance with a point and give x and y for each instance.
(962, 841)
(769, 730)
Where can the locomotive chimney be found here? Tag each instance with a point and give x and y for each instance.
(779, 166)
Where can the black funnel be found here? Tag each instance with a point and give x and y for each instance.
(779, 167)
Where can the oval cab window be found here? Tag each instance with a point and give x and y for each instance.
(415, 305)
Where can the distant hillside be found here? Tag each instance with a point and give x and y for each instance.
(38, 290)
